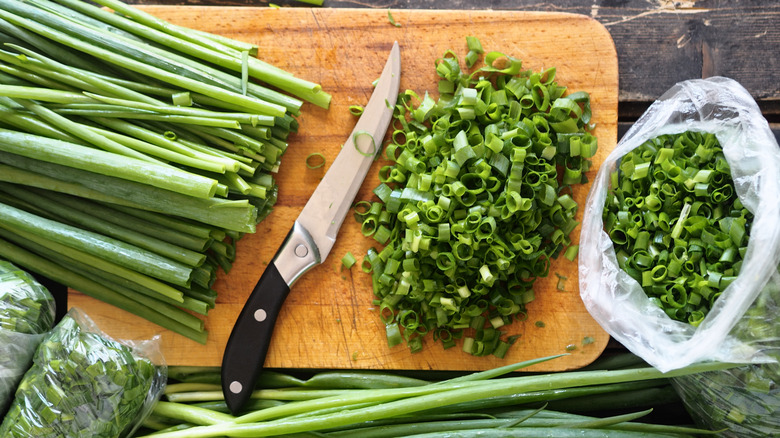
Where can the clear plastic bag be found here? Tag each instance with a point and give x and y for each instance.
(27, 312)
(722, 107)
(84, 384)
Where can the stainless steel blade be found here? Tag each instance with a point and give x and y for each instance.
(309, 241)
(325, 211)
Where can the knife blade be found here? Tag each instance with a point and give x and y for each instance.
(309, 241)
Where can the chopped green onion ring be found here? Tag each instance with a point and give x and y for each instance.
(369, 152)
(315, 160)
(348, 260)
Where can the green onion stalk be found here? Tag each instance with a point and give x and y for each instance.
(134, 153)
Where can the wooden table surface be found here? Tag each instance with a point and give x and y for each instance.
(658, 42)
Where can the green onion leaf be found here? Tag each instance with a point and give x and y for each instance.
(391, 19)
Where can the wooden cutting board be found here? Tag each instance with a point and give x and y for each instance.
(328, 321)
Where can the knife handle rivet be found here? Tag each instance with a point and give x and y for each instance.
(236, 387)
(301, 250)
(260, 316)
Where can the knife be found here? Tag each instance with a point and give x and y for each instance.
(309, 241)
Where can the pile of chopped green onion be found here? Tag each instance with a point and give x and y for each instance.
(476, 201)
(676, 223)
(134, 152)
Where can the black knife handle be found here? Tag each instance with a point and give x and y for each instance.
(248, 343)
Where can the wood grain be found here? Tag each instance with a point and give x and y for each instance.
(328, 320)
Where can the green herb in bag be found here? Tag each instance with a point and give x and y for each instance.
(743, 402)
(26, 306)
(676, 222)
(82, 384)
(26, 312)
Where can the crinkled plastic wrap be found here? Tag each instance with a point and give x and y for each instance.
(27, 312)
(722, 107)
(742, 402)
(84, 384)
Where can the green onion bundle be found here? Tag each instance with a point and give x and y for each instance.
(370, 404)
(676, 222)
(83, 384)
(476, 201)
(134, 153)
(27, 311)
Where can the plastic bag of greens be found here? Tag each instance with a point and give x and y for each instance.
(83, 384)
(27, 311)
(743, 402)
(723, 108)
